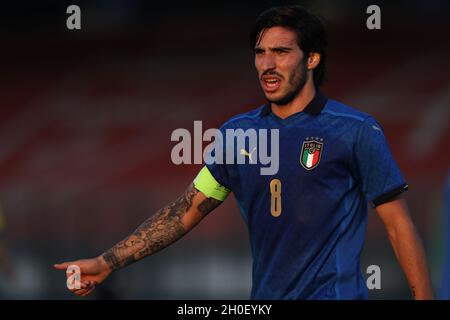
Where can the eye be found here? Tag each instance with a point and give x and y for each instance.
(280, 51)
(259, 51)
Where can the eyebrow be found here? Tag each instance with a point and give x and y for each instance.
(280, 48)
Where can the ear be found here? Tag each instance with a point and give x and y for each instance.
(313, 60)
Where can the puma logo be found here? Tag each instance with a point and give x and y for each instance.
(247, 154)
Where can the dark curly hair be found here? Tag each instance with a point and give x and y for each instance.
(311, 35)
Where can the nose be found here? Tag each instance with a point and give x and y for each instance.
(267, 62)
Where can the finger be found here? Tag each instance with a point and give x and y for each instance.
(87, 284)
(62, 266)
(80, 292)
(88, 292)
(83, 286)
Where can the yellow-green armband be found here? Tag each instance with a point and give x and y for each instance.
(205, 183)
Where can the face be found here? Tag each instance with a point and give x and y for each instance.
(280, 64)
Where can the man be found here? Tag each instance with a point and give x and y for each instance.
(307, 222)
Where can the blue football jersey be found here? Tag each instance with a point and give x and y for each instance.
(307, 222)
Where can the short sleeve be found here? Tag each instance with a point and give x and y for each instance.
(378, 174)
(215, 160)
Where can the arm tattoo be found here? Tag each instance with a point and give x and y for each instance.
(157, 232)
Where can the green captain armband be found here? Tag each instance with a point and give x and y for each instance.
(209, 186)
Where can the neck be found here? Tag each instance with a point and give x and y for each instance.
(298, 104)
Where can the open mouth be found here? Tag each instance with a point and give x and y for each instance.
(271, 84)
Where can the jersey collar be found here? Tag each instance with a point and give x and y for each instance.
(314, 107)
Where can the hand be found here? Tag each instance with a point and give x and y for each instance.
(93, 272)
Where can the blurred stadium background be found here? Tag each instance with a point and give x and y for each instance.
(86, 118)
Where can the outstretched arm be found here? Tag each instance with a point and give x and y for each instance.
(407, 246)
(159, 231)
(166, 226)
